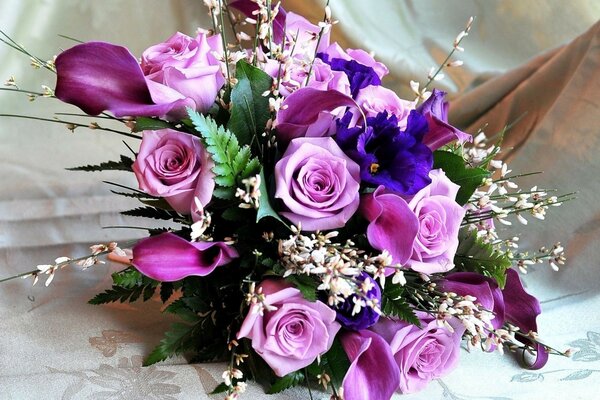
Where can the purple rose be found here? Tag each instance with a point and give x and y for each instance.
(376, 99)
(392, 224)
(485, 289)
(168, 258)
(373, 372)
(358, 55)
(421, 353)
(367, 316)
(185, 67)
(303, 34)
(175, 166)
(183, 72)
(295, 71)
(317, 183)
(439, 221)
(292, 335)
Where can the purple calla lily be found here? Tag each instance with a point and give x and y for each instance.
(485, 289)
(522, 309)
(440, 133)
(247, 7)
(307, 112)
(392, 224)
(168, 258)
(373, 372)
(98, 76)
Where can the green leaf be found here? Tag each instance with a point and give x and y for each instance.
(128, 278)
(151, 212)
(232, 162)
(249, 108)
(179, 308)
(128, 285)
(224, 193)
(290, 380)
(176, 340)
(235, 214)
(118, 293)
(166, 291)
(336, 363)
(306, 285)
(124, 164)
(150, 124)
(469, 179)
(222, 387)
(393, 304)
(265, 209)
(252, 168)
(475, 256)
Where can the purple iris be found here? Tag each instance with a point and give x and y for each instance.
(388, 156)
(359, 75)
(367, 316)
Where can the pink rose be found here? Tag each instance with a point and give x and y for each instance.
(295, 71)
(175, 166)
(303, 34)
(439, 221)
(318, 184)
(294, 334)
(376, 99)
(421, 353)
(185, 68)
(358, 55)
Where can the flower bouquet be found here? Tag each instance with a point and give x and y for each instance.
(318, 229)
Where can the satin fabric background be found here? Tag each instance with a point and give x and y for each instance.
(54, 345)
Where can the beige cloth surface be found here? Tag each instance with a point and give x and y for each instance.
(54, 345)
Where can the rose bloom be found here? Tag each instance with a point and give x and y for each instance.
(295, 71)
(175, 166)
(439, 221)
(375, 99)
(421, 353)
(184, 67)
(294, 334)
(318, 184)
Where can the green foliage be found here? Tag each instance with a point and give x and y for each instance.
(152, 212)
(166, 291)
(336, 363)
(124, 164)
(128, 285)
(306, 285)
(128, 278)
(232, 162)
(176, 341)
(249, 108)
(290, 380)
(221, 388)
(150, 124)
(475, 256)
(469, 179)
(393, 304)
(265, 208)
